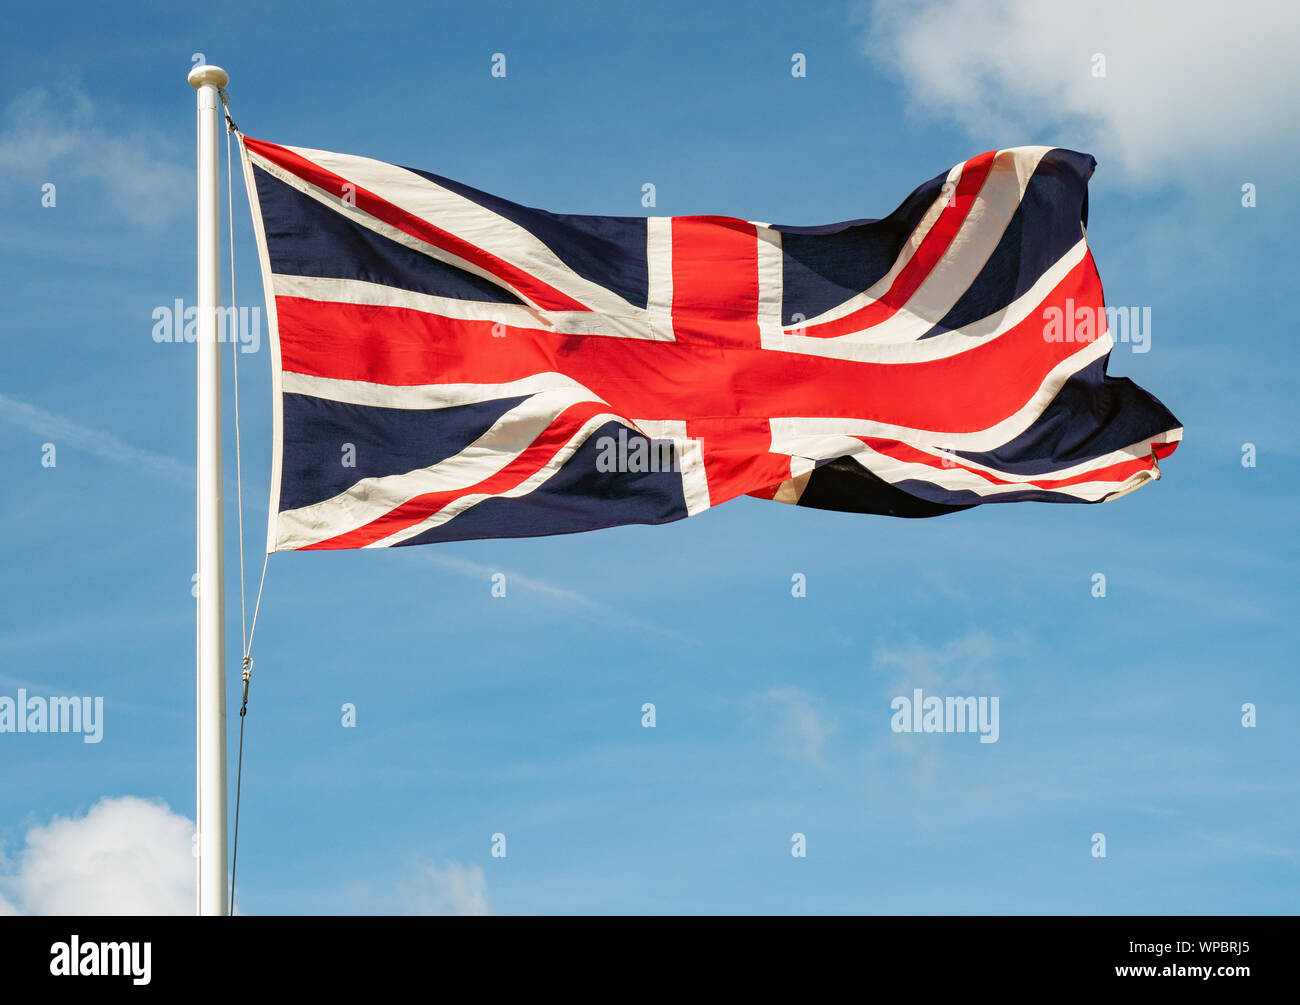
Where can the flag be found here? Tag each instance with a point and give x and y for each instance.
(449, 365)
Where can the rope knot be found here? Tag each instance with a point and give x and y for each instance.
(225, 108)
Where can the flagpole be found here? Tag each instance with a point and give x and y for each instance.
(211, 809)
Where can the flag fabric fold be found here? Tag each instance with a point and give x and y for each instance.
(449, 365)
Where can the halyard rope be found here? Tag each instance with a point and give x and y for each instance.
(246, 631)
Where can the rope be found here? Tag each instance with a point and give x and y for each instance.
(234, 349)
(243, 711)
(246, 631)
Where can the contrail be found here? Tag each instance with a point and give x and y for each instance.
(61, 431)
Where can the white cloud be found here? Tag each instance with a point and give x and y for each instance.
(450, 889)
(125, 856)
(48, 138)
(803, 726)
(1185, 83)
(967, 664)
(573, 601)
(59, 431)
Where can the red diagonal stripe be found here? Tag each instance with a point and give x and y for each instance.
(420, 507)
(933, 247)
(544, 296)
(1116, 472)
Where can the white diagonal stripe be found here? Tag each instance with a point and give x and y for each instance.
(471, 222)
(371, 498)
(987, 219)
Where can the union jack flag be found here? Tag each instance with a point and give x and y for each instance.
(449, 365)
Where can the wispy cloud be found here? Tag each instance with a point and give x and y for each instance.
(137, 171)
(1180, 86)
(571, 600)
(63, 432)
(450, 889)
(967, 664)
(803, 723)
(1247, 847)
(961, 666)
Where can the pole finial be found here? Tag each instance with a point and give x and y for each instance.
(206, 73)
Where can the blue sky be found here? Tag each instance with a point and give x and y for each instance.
(522, 715)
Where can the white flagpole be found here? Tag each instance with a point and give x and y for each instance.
(211, 821)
